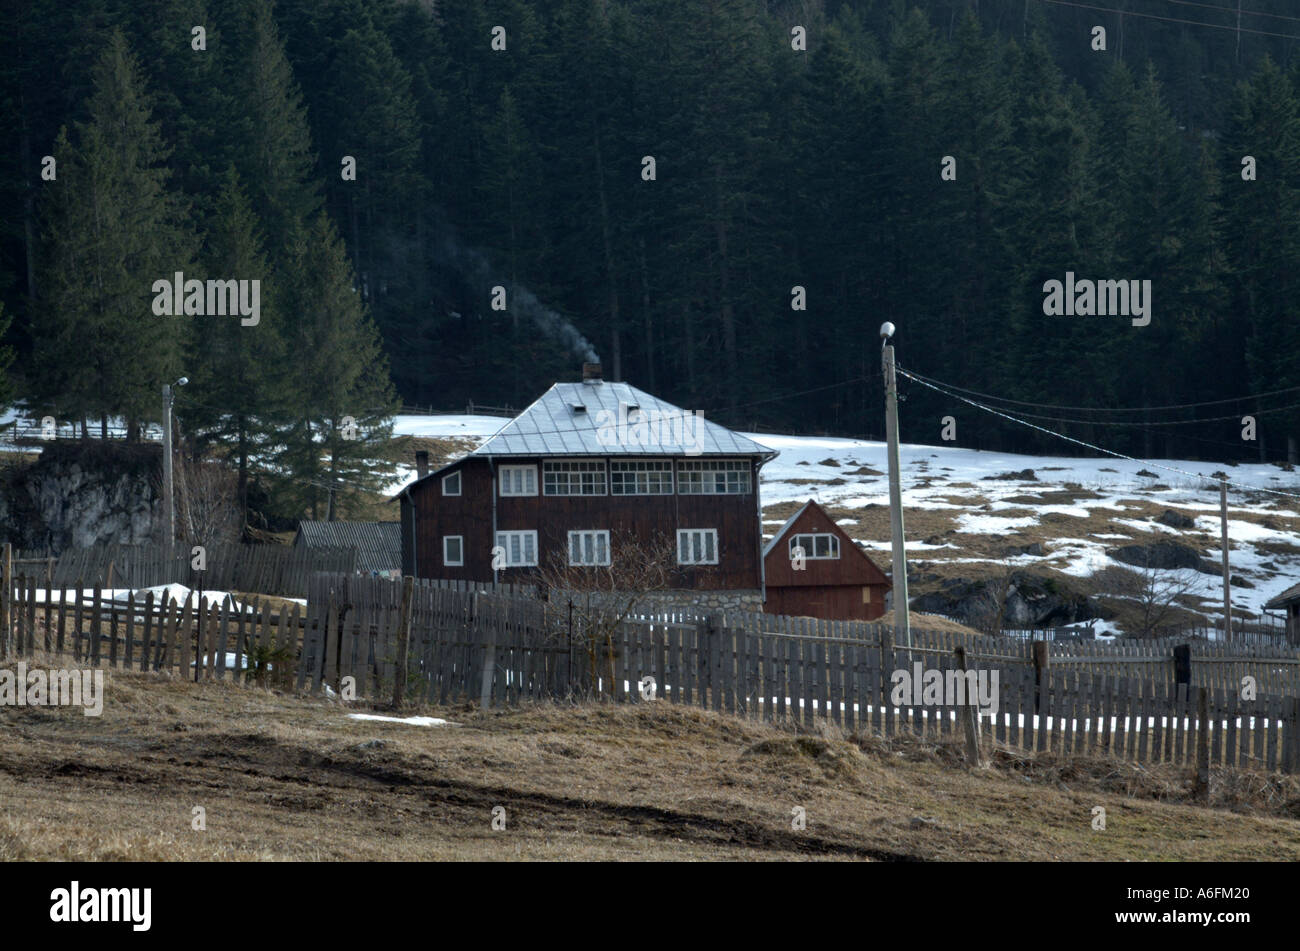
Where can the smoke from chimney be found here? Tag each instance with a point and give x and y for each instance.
(476, 267)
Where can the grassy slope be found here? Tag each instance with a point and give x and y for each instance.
(283, 777)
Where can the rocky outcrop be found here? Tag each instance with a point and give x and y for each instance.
(80, 493)
(1158, 556)
(1031, 601)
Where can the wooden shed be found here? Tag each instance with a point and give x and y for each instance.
(834, 579)
(1289, 601)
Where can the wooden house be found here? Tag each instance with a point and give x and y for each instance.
(584, 465)
(814, 569)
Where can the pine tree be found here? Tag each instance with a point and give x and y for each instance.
(336, 430)
(113, 228)
(236, 376)
(6, 359)
(275, 161)
(1260, 226)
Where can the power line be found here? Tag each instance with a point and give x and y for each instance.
(1152, 16)
(1088, 445)
(1234, 11)
(1144, 423)
(1109, 409)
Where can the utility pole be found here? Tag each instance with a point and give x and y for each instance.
(1223, 522)
(169, 510)
(169, 507)
(902, 623)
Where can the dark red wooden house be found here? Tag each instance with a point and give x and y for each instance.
(837, 581)
(584, 464)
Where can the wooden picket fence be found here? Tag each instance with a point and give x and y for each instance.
(392, 642)
(266, 569)
(202, 639)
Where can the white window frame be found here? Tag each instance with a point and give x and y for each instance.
(695, 537)
(592, 541)
(575, 470)
(808, 540)
(639, 473)
(700, 477)
(447, 478)
(447, 562)
(505, 540)
(529, 479)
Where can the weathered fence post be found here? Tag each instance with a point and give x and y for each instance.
(1042, 659)
(1203, 743)
(968, 712)
(1183, 664)
(403, 642)
(489, 651)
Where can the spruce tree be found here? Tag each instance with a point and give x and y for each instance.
(236, 371)
(112, 229)
(336, 430)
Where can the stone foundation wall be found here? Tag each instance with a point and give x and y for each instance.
(701, 602)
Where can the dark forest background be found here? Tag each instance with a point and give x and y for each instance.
(774, 168)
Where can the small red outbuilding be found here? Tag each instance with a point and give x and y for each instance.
(834, 579)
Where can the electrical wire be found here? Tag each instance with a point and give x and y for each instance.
(1111, 409)
(1153, 16)
(1088, 445)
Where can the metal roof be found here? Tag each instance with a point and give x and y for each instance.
(602, 419)
(767, 549)
(378, 544)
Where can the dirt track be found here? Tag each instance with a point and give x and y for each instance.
(282, 777)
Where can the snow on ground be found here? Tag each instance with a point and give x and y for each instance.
(937, 478)
(177, 592)
(412, 721)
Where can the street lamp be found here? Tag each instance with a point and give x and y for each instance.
(902, 622)
(168, 508)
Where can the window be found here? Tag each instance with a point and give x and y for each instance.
(816, 546)
(451, 484)
(641, 478)
(589, 548)
(713, 477)
(453, 550)
(518, 480)
(697, 546)
(520, 548)
(573, 478)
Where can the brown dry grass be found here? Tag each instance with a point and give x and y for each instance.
(290, 778)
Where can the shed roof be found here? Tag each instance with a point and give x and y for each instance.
(600, 419)
(378, 544)
(1289, 596)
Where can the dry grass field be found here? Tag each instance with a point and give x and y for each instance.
(283, 777)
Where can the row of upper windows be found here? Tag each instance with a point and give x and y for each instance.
(648, 477)
(695, 546)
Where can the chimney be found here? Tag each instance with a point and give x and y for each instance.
(591, 373)
(422, 462)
